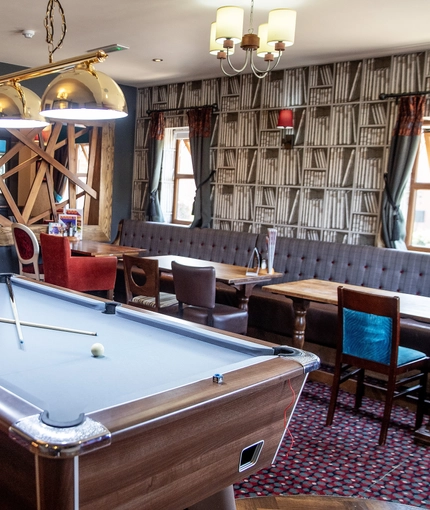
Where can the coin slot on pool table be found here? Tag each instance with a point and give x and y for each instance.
(250, 455)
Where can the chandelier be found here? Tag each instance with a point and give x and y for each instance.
(78, 93)
(272, 39)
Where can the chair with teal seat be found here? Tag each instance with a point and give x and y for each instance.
(368, 340)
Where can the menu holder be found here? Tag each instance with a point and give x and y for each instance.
(253, 264)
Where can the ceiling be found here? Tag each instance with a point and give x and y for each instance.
(178, 32)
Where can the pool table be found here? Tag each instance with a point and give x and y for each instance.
(169, 417)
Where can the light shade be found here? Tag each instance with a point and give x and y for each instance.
(285, 119)
(229, 24)
(83, 94)
(19, 107)
(264, 46)
(282, 26)
(215, 47)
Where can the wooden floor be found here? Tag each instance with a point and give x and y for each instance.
(317, 503)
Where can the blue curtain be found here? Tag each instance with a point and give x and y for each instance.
(155, 163)
(403, 151)
(199, 121)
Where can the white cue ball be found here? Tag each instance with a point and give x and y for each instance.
(97, 350)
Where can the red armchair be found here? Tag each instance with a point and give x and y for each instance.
(76, 273)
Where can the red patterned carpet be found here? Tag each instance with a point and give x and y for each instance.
(345, 459)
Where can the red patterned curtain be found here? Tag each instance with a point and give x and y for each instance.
(403, 151)
(200, 123)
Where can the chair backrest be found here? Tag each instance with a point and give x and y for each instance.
(27, 248)
(369, 326)
(141, 277)
(56, 254)
(194, 286)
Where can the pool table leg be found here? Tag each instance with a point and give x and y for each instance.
(56, 482)
(223, 500)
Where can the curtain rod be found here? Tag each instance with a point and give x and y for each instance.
(214, 106)
(418, 93)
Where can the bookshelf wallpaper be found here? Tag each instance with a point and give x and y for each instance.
(328, 186)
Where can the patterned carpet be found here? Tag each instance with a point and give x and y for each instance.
(345, 459)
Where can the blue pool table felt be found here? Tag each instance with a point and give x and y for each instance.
(144, 353)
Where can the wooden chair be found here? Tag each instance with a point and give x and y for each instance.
(27, 249)
(195, 289)
(368, 339)
(142, 286)
(85, 274)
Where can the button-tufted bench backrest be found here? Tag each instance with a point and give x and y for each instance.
(380, 268)
(208, 244)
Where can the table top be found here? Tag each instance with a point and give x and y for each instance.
(323, 291)
(225, 273)
(100, 249)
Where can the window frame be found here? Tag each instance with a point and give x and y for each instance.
(414, 188)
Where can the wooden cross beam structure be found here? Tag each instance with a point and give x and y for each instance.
(44, 152)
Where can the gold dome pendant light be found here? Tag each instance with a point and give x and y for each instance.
(83, 94)
(79, 93)
(19, 107)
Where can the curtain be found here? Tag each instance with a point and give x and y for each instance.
(403, 150)
(199, 121)
(155, 162)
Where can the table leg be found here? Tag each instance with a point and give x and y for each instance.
(300, 307)
(243, 293)
(223, 500)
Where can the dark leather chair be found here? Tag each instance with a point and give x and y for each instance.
(142, 286)
(195, 289)
(368, 339)
(27, 249)
(85, 274)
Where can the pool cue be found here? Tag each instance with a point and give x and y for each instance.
(47, 326)
(15, 313)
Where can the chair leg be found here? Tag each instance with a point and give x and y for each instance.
(422, 393)
(389, 398)
(334, 394)
(359, 393)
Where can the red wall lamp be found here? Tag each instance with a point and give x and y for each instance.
(286, 123)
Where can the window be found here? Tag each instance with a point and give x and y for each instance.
(416, 199)
(184, 184)
(178, 187)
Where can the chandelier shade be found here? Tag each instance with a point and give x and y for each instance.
(19, 107)
(229, 24)
(282, 27)
(215, 47)
(83, 94)
(264, 47)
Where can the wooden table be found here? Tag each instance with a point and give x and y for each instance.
(91, 248)
(225, 273)
(302, 292)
